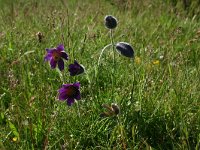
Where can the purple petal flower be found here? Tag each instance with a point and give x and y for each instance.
(70, 92)
(60, 47)
(55, 55)
(53, 63)
(64, 55)
(61, 64)
(70, 101)
(76, 69)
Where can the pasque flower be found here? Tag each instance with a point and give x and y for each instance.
(125, 49)
(70, 92)
(55, 56)
(75, 69)
(110, 22)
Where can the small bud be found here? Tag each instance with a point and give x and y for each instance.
(115, 108)
(76, 69)
(40, 36)
(125, 49)
(107, 107)
(110, 22)
(112, 110)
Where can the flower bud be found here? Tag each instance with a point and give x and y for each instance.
(125, 49)
(115, 108)
(110, 22)
(40, 36)
(76, 69)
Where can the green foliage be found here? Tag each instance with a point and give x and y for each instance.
(157, 92)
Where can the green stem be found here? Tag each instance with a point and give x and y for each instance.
(133, 82)
(113, 46)
(98, 68)
(113, 71)
(102, 53)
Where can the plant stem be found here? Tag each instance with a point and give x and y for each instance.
(133, 82)
(113, 46)
(102, 53)
(63, 76)
(113, 71)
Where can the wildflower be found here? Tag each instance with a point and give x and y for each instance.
(55, 55)
(110, 22)
(156, 62)
(69, 92)
(111, 110)
(125, 49)
(14, 139)
(75, 69)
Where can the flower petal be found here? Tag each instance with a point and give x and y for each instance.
(78, 96)
(64, 55)
(70, 101)
(62, 89)
(53, 63)
(66, 85)
(62, 93)
(77, 85)
(48, 57)
(60, 47)
(61, 64)
(62, 96)
(51, 50)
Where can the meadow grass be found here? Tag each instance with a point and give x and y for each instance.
(157, 91)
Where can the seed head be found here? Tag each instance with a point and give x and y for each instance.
(125, 49)
(110, 22)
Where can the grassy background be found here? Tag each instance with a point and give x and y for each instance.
(159, 102)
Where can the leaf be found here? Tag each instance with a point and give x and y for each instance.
(14, 129)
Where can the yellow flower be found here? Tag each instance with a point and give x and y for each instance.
(14, 139)
(137, 60)
(156, 62)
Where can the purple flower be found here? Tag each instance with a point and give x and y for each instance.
(76, 68)
(55, 55)
(69, 92)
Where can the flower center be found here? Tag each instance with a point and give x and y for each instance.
(56, 56)
(71, 91)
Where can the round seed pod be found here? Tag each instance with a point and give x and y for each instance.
(125, 49)
(110, 22)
